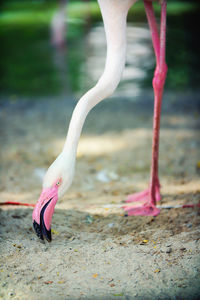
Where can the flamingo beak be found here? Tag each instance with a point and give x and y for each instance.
(43, 212)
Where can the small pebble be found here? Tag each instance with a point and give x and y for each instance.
(189, 225)
(169, 250)
(88, 219)
(183, 249)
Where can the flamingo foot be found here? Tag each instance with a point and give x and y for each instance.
(147, 209)
(144, 195)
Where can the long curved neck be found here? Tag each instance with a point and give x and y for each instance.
(114, 13)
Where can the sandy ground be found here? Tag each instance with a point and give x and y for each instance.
(97, 252)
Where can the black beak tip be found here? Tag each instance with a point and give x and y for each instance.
(38, 230)
(47, 234)
(42, 232)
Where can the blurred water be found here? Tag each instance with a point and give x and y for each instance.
(31, 67)
(86, 59)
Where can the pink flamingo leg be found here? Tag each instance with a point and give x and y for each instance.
(152, 194)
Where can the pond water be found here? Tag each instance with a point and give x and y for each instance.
(31, 67)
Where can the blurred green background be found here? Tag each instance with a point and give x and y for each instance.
(28, 65)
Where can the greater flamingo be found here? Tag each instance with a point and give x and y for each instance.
(60, 174)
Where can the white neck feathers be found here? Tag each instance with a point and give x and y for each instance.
(114, 13)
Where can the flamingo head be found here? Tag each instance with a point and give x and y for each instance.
(56, 181)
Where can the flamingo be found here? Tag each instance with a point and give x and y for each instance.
(59, 176)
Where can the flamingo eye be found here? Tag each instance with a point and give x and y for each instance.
(58, 182)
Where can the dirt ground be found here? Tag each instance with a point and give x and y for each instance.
(97, 252)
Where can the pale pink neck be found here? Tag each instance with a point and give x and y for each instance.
(114, 14)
